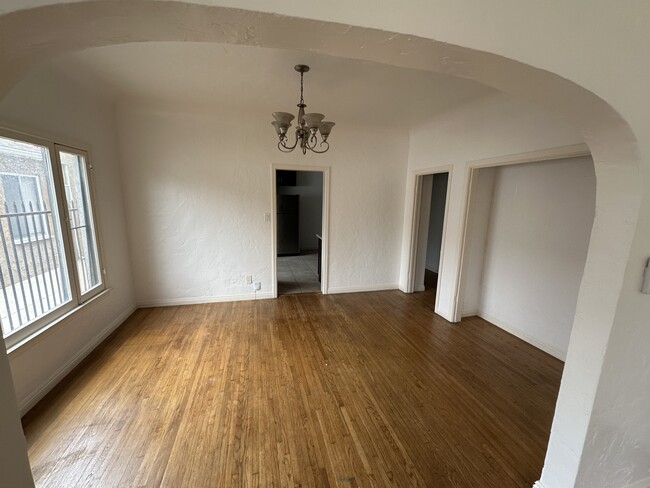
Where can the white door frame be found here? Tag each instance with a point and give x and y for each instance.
(324, 275)
(564, 152)
(417, 176)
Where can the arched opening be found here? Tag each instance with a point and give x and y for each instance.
(610, 140)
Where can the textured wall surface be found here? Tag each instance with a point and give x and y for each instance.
(197, 187)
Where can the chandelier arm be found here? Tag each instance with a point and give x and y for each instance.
(324, 150)
(313, 142)
(283, 144)
(307, 142)
(285, 149)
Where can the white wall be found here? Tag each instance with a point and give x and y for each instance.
(489, 127)
(436, 220)
(537, 241)
(50, 105)
(197, 186)
(600, 401)
(309, 185)
(478, 219)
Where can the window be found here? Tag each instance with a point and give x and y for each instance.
(49, 255)
(22, 193)
(82, 226)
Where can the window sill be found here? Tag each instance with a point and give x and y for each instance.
(53, 326)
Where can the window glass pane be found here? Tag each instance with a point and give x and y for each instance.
(33, 274)
(81, 221)
(12, 198)
(30, 192)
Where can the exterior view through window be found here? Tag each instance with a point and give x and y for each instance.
(77, 194)
(49, 259)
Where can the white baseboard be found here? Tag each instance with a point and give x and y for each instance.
(515, 331)
(420, 288)
(644, 483)
(33, 398)
(333, 290)
(469, 313)
(171, 302)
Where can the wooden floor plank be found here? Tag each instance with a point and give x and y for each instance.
(358, 390)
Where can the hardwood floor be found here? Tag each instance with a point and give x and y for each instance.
(358, 390)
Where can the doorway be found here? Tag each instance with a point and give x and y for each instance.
(299, 230)
(527, 231)
(431, 198)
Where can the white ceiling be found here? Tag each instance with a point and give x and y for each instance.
(230, 77)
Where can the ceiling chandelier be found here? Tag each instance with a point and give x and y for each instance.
(309, 125)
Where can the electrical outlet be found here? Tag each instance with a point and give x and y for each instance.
(258, 285)
(267, 217)
(249, 279)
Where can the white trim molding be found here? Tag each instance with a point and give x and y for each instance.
(360, 289)
(172, 302)
(515, 331)
(411, 230)
(413, 217)
(325, 223)
(469, 313)
(562, 152)
(44, 388)
(644, 483)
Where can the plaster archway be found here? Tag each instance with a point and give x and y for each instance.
(29, 37)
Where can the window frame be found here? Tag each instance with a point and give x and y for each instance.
(27, 332)
(101, 286)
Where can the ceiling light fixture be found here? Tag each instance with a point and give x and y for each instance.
(309, 125)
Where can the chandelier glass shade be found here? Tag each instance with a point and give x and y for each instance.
(308, 126)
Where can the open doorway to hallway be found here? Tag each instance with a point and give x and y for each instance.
(430, 230)
(299, 231)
